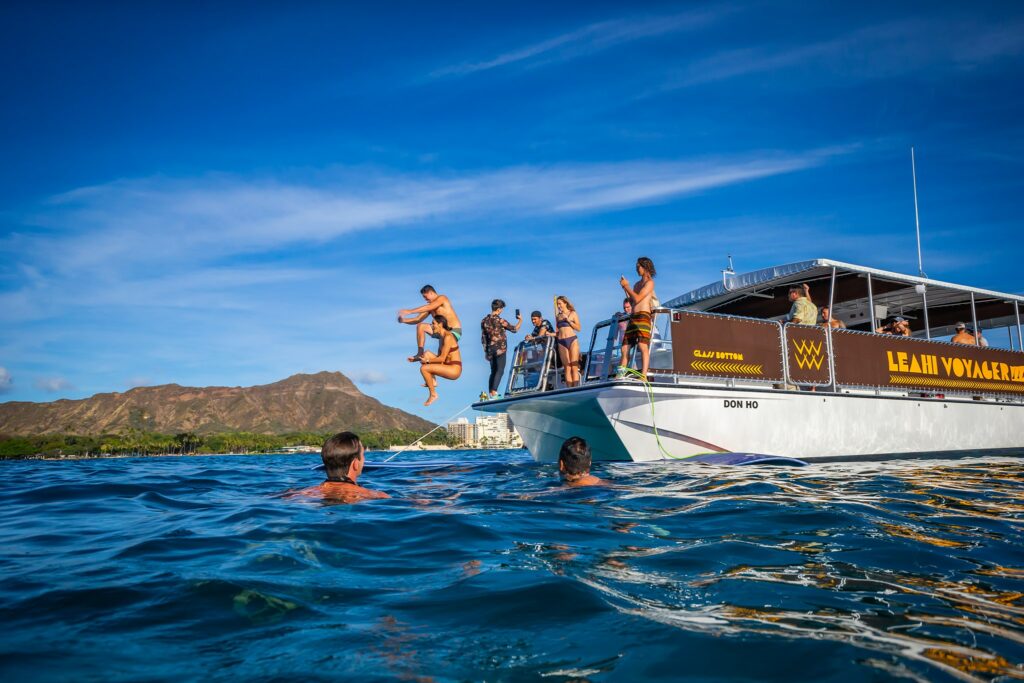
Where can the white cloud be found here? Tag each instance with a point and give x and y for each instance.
(368, 377)
(52, 385)
(883, 51)
(587, 40)
(6, 382)
(113, 226)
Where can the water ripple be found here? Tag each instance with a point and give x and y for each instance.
(203, 568)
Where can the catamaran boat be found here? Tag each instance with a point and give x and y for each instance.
(729, 375)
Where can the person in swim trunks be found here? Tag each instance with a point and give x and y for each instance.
(437, 304)
(343, 455)
(446, 363)
(638, 330)
(567, 324)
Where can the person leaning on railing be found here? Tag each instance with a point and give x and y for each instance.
(962, 336)
(541, 327)
(898, 327)
(828, 321)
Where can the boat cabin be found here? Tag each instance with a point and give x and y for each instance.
(734, 332)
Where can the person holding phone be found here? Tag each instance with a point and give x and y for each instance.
(638, 330)
(495, 342)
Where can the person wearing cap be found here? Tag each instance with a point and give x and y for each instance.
(541, 327)
(898, 327)
(981, 341)
(962, 337)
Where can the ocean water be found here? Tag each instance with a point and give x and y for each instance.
(199, 568)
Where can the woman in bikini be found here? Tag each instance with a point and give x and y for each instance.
(567, 324)
(446, 363)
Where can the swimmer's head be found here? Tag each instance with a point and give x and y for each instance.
(428, 292)
(574, 458)
(343, 456)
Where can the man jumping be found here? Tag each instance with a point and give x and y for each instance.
(437, 304)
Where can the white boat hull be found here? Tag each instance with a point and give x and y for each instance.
(619, 422)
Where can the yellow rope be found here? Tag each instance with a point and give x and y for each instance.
(650, 395)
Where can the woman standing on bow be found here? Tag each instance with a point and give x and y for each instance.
(567, 324)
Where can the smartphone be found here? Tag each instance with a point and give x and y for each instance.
(517, 312)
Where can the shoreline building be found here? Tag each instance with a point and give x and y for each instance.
(488, 431)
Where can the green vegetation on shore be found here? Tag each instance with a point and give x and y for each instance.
(135, 442)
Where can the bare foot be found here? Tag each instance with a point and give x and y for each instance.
(433, 397)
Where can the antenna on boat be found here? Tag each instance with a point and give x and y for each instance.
(727, 273)
(917, 218)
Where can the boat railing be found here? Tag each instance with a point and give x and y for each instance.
(739, 351)
(532, 367)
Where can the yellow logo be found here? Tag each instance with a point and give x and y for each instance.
(808, 354)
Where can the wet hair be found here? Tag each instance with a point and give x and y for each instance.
(496, 304)
(443, 320)
(575, 456)
(647, 264)
(627, 301)
(427, 288)
(568, 304)
(339, 452)
(536, 314)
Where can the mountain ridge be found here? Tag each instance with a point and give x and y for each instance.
(319, 402)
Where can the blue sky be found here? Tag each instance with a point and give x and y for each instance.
(229, 194)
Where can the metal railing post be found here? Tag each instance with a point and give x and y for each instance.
(871, 306)
(785, 355)
(609, 344)
(924, 298)
(1020, 338)
(974, 321)
(831, 357)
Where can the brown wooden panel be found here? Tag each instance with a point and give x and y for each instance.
(877, 360)
(717, 346)
(807, 354)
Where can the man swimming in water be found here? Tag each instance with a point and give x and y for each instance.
(343, 455)
(437, 304)
(574, 463)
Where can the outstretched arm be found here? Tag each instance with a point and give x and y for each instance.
(424, 310)
(416, 320)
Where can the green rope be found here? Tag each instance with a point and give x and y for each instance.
(650, 396)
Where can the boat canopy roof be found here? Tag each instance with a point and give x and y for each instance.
(763, 294)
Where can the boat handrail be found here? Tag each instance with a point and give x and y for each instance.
(827, 380)
(524, 362)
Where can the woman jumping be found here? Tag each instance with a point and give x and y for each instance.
(446, 363)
